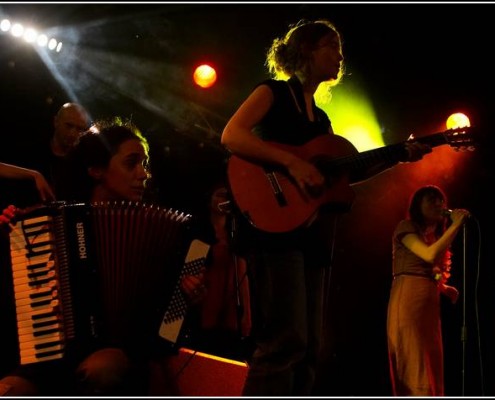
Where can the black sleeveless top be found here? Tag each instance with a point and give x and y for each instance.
(287, 122)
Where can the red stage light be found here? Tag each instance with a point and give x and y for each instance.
(205, 76)
(457, 120)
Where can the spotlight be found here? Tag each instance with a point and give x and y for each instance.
(52, 43)
(17, 30)
(30, 35)
(42, 40)
(205, 76)
(5, 25)
(457, 120)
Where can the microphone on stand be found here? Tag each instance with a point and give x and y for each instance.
(446, 212)
(225, 206)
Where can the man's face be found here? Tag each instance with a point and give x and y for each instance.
(69, 126)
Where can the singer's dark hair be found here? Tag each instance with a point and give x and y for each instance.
(415, 213)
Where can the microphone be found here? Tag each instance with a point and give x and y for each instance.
(446, 212)
(225, 206)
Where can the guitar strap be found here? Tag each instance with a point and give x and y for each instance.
(301, 102)
(294, 97)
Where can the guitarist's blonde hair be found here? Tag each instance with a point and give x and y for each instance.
(289, 53)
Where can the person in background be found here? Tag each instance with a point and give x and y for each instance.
(287, 269)
(9, 171)
(49, 157)
(223, 317)
(69, 123)
(421, 268)
(112, 157)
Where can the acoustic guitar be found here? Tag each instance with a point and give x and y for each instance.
(272, 202)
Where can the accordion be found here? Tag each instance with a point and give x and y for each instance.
(101, 272)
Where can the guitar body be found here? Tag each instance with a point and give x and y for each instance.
(272, 201)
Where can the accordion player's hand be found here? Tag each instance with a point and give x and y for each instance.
(193, 287)
(6, 218)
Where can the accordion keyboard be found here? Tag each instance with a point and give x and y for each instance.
(36, 291)
(173, 319)
(95, 272)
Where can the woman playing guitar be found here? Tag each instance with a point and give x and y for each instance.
(288, 267)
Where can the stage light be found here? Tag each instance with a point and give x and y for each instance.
(352, 114)
(5, 25)
(457, 120)
(205, 76)
(17, 30)
(42, 40)
(52, 44)
(30, 35)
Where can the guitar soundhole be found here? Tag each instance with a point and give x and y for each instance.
(328, 170)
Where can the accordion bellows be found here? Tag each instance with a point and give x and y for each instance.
(101, 271)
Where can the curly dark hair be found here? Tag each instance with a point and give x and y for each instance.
(97, 146)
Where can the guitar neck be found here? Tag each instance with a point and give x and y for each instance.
(390, 154)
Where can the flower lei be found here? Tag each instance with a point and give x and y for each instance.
(441, 269)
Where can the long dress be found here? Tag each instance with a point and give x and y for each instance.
(413, 323)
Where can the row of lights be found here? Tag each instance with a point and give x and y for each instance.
(30, 35)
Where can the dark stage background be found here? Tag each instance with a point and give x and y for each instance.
(417, 62)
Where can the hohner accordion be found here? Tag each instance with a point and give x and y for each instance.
(94, 272)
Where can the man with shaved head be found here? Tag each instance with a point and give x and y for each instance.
(49, 156)
(69, 122)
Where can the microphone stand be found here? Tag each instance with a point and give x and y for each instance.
(464, 327)
(237, 283)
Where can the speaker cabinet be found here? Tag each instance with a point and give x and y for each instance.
(201, 374)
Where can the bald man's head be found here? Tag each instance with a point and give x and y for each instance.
(69, 123)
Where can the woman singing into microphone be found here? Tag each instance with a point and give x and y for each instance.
(421, 267)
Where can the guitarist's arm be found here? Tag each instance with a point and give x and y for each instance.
(238, 138)
(410, 151)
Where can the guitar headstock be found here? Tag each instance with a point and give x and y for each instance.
(461, 139)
